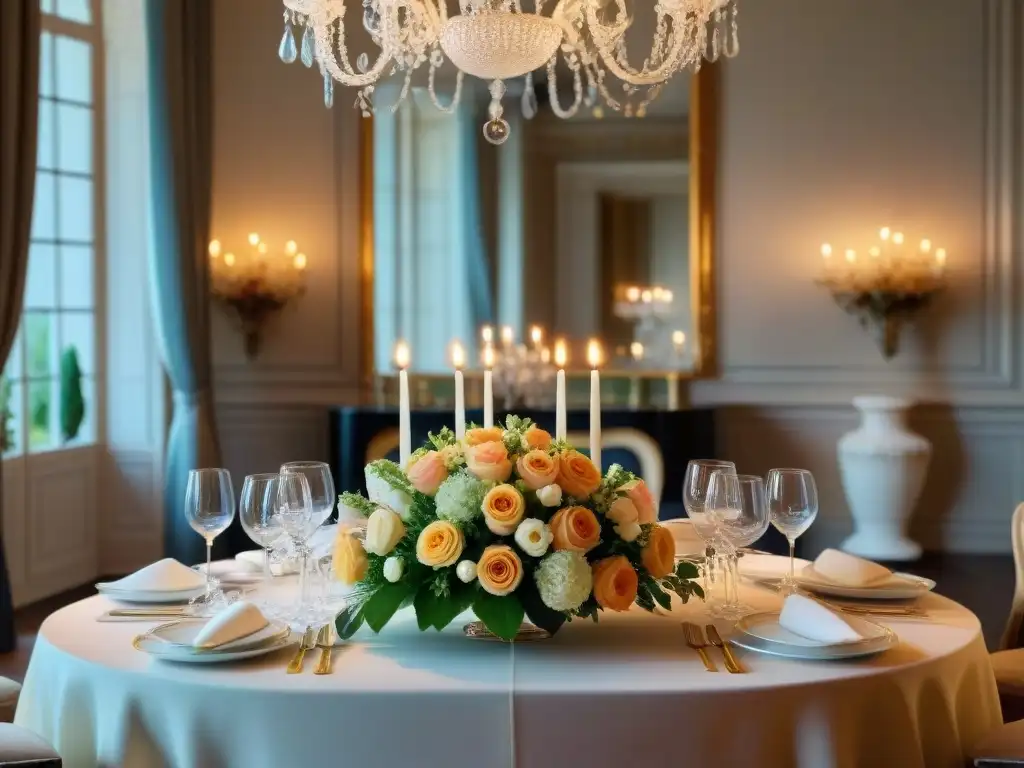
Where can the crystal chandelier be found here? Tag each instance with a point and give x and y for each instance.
(499, 40)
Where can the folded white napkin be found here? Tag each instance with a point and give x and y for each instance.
(837, 567)
(236, 621)
(167, 575)
(810, 619)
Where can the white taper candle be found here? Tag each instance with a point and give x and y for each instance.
(404, 420)
(459, 360)
(594, 358)
(561, 358)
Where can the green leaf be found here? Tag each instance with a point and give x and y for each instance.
(546, 618)
(439, 612)
(687, 570)
(348, 622)
(382, 605)
(502, 615)
(660, 595)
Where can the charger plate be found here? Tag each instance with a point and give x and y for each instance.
(173, 642)
(761, 632)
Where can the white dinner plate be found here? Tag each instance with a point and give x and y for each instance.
(173, 642)
(771, 569)
(149, 595)
(761, 632)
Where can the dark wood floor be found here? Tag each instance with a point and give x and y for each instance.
(984, 583)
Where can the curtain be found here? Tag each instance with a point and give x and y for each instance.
(478, 271)
(19, 110)
(179, 42)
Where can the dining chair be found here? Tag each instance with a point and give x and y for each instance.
(19, 746)
(1008, 661)
(9, 692)
(1001, 748)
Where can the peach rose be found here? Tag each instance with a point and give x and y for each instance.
(427, 472)
(440, 544)
(503, 508)
(575, 529)
(482, 435)
(623, 511)
(537, 469)
(499, 570)
(350, 560)
(659, 556)
(615, 583)
(489, 461)
(646, 506)
(577, 474)
(537, 438)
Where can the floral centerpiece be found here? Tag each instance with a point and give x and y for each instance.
(511, 524)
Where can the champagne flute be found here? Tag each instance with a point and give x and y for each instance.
(793, 505)
(257, 511)
(695, 491)
(209, 509)
(740, 509)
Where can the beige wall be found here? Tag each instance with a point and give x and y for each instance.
(838, 117)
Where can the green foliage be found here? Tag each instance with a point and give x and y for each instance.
(515, 429)
(355, 501)
(349, 620)
(442, 439)
(382, 605)
(502, 615)
(544, 617)
(390, 473)
(438, 612)
(72, 402)
(560, 446)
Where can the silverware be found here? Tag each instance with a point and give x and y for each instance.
(325, 642)
(876, 610)
(695, 639)
(731, 663)
(148, 612)
(308, 643)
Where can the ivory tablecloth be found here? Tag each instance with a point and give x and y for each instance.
(626, 692)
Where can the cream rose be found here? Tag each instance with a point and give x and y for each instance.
(659, 556)
(533, 537)
(427, 472)
(577, 474)
(440, 544)
(628, 531)
(537, 469)
(394, 567)
(503, 508)
(615, 583)
(575, 529)
(499, 570)
(646, 506)
(622, 511)
(350, 560)
(481, 435)
(550, 495)
(537, 438)
(384, 529)
(489, 461)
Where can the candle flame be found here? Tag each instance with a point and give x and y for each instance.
(215, 248)
(488, 356)
(633, 294)
(402, 355)
(536, 334)
(897, 238)
(507, 334)
(486, 334)
(254, 239)
(926, 245)
(826, 250)
(594, 353)
(291, 248)
(678, 338)
(300, 261)
(458, 354)
(874, 252)
(940, 256)
(851, 255)
(668, 296)
(646, 296)
(561, 353)
(229, 259)
(884, 233)
(636, 349)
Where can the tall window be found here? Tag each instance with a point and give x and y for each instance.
(51, 375)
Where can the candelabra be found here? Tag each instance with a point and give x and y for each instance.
(522, 373)
(888, 287)
(254, 286)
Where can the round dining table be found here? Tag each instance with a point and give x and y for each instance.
(625, 692)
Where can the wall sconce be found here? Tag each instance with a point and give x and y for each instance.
(886, 286)
(254, 285)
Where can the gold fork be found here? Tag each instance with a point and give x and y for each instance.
(731, 663)
(308, 643)
(325, 642)
(695, 639)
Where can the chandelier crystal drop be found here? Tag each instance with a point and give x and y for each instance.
(500, 40)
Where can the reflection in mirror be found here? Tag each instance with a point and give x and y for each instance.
(580, 227)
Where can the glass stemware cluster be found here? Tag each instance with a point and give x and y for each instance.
(730, 511)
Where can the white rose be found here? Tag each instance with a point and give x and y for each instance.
(394, 567)
(550, 495)
(380, 492)
(623, 512)
(466, 571)
(628, 531)
(384, 529)
(533, 537)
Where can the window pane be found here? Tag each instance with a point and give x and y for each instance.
(74, 146)
(44, 151)
(39, 344)
(75, 10)
(78, 332)
(74, 69)
(75, 209)
(13, 424)
(46, 6)
(46, 64)
(87, 424)
(40, 394)
(12, 369)
(41, 280)
(44, 226)
(76, 287)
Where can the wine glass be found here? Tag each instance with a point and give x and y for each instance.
(740, 510)
(793, 505)
(295, 513)
(257, 511)
(209, 509)
(695, 490)
(321, 491)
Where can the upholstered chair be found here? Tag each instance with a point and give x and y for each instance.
(9, 691)
(1002, 748)
(1008, 661)
(20, 747)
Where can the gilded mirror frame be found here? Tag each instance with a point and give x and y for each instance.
(703, 161)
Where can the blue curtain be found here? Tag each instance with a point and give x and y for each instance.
(180, 132)
(19, 111)
(478, 270)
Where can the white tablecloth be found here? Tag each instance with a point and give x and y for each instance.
(626, 692)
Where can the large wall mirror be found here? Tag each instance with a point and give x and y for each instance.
(599, 226)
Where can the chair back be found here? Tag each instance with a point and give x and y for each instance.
(1012, 635)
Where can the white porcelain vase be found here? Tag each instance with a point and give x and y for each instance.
(883, 466)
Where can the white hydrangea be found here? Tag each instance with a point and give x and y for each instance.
(563, 580)
(380, 491)
(459, 498)
(394, 567)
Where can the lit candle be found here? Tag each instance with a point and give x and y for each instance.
(254, 239)
(488, 357)
(291, 248)
(459, 360)
(229, 259)
(897, 238)
(507, 335)
(633, 294)
(826, 251)
(561, 358)
(926, 246)
(884, 233)
(215, 248)
(678, 340)
(940, 258)
(536, 335)
(404, 421)
(668, 296)
(300, 261)
(636, 351)
(487, 334)
(646, 296)
(594, 359)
